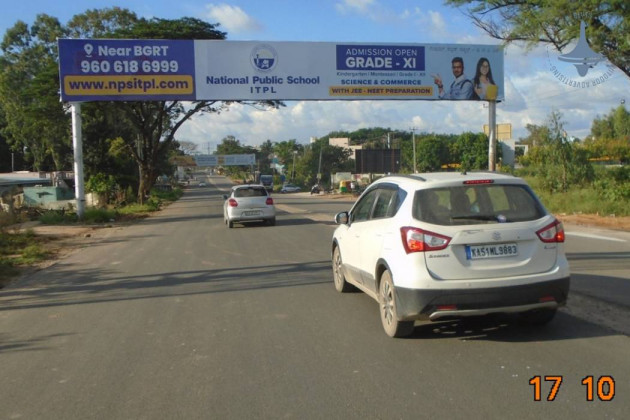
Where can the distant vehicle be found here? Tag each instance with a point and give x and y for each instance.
(202, 184)
(438, 246)
(315, 189)
(290, 188)
(248, 203)
(267, 182)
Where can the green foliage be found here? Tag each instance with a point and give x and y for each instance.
(57, 217)
(613, 184)
(18, 248)
(470, 150)
(558, 162)
(101, 184)
(167, 196)
(93, 215)
(37, 125)
(432, 152)
(557, 22)
(610, 137)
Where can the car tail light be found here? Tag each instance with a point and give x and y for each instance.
(552, 233)
(419, 240)
(269, 201)
(232, 202)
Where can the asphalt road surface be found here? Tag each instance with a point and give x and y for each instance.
(178, 316)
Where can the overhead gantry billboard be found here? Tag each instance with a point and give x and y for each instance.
(123, 69)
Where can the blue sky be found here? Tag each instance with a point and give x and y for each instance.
(532, 91)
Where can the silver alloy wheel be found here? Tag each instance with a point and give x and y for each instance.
(337, 275)
(389, 317)
(341, 285)
(387, 302)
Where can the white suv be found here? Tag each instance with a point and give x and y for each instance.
(441, 245)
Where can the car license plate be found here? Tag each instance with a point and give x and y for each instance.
(476, 252)
(252, 213)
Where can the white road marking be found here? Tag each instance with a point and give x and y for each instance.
(590, 235)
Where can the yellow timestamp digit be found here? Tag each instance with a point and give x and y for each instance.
(536, 382)
(605, 388)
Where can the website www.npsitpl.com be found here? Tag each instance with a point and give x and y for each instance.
(128, 85)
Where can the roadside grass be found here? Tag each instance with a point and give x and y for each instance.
(582, 200)
(20, 248)
(17, 249)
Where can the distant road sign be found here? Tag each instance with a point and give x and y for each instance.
(225, 160)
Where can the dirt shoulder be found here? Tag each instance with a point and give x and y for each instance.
(593, 220)
(58, 241)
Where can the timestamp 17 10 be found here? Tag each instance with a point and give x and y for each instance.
(602, 388)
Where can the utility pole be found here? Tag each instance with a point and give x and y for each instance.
(492, 123)
(319, 167)
(413, 140)
(77, 143)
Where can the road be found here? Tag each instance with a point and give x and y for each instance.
(179, 317)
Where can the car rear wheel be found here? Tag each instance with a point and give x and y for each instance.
(341, 284)
(389, 317)
(230, 224)
(272, 221)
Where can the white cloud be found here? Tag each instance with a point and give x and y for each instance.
(352, 6)
(233, 18)
(531, 91)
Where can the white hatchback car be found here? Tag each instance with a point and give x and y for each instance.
(248, 203)
(446, 245)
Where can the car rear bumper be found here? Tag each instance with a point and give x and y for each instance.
(432, 304)
(242, 216)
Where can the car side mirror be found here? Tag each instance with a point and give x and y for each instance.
(342, 218)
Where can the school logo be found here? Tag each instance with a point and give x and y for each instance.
(264, 57)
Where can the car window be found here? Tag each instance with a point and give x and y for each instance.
(396, 202)
(477, 204)
(363, 208)
(250, 192)
(382, 203)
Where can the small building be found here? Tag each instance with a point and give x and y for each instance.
(344, 143)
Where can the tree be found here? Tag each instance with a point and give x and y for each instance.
(284, 150)
(470, 150)
(156, 123)
(333, 159)
(610, 136)
(557, 161)
(432, 152)
(557, 22)
(37, 124)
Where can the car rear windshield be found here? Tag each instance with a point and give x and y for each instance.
(250, 192)
(474, 204)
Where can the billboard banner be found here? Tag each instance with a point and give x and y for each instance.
(254, 70)
(123, 69)
(225, 160)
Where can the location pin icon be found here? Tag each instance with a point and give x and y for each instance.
(88, 49)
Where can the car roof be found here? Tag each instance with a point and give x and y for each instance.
(434, 179)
